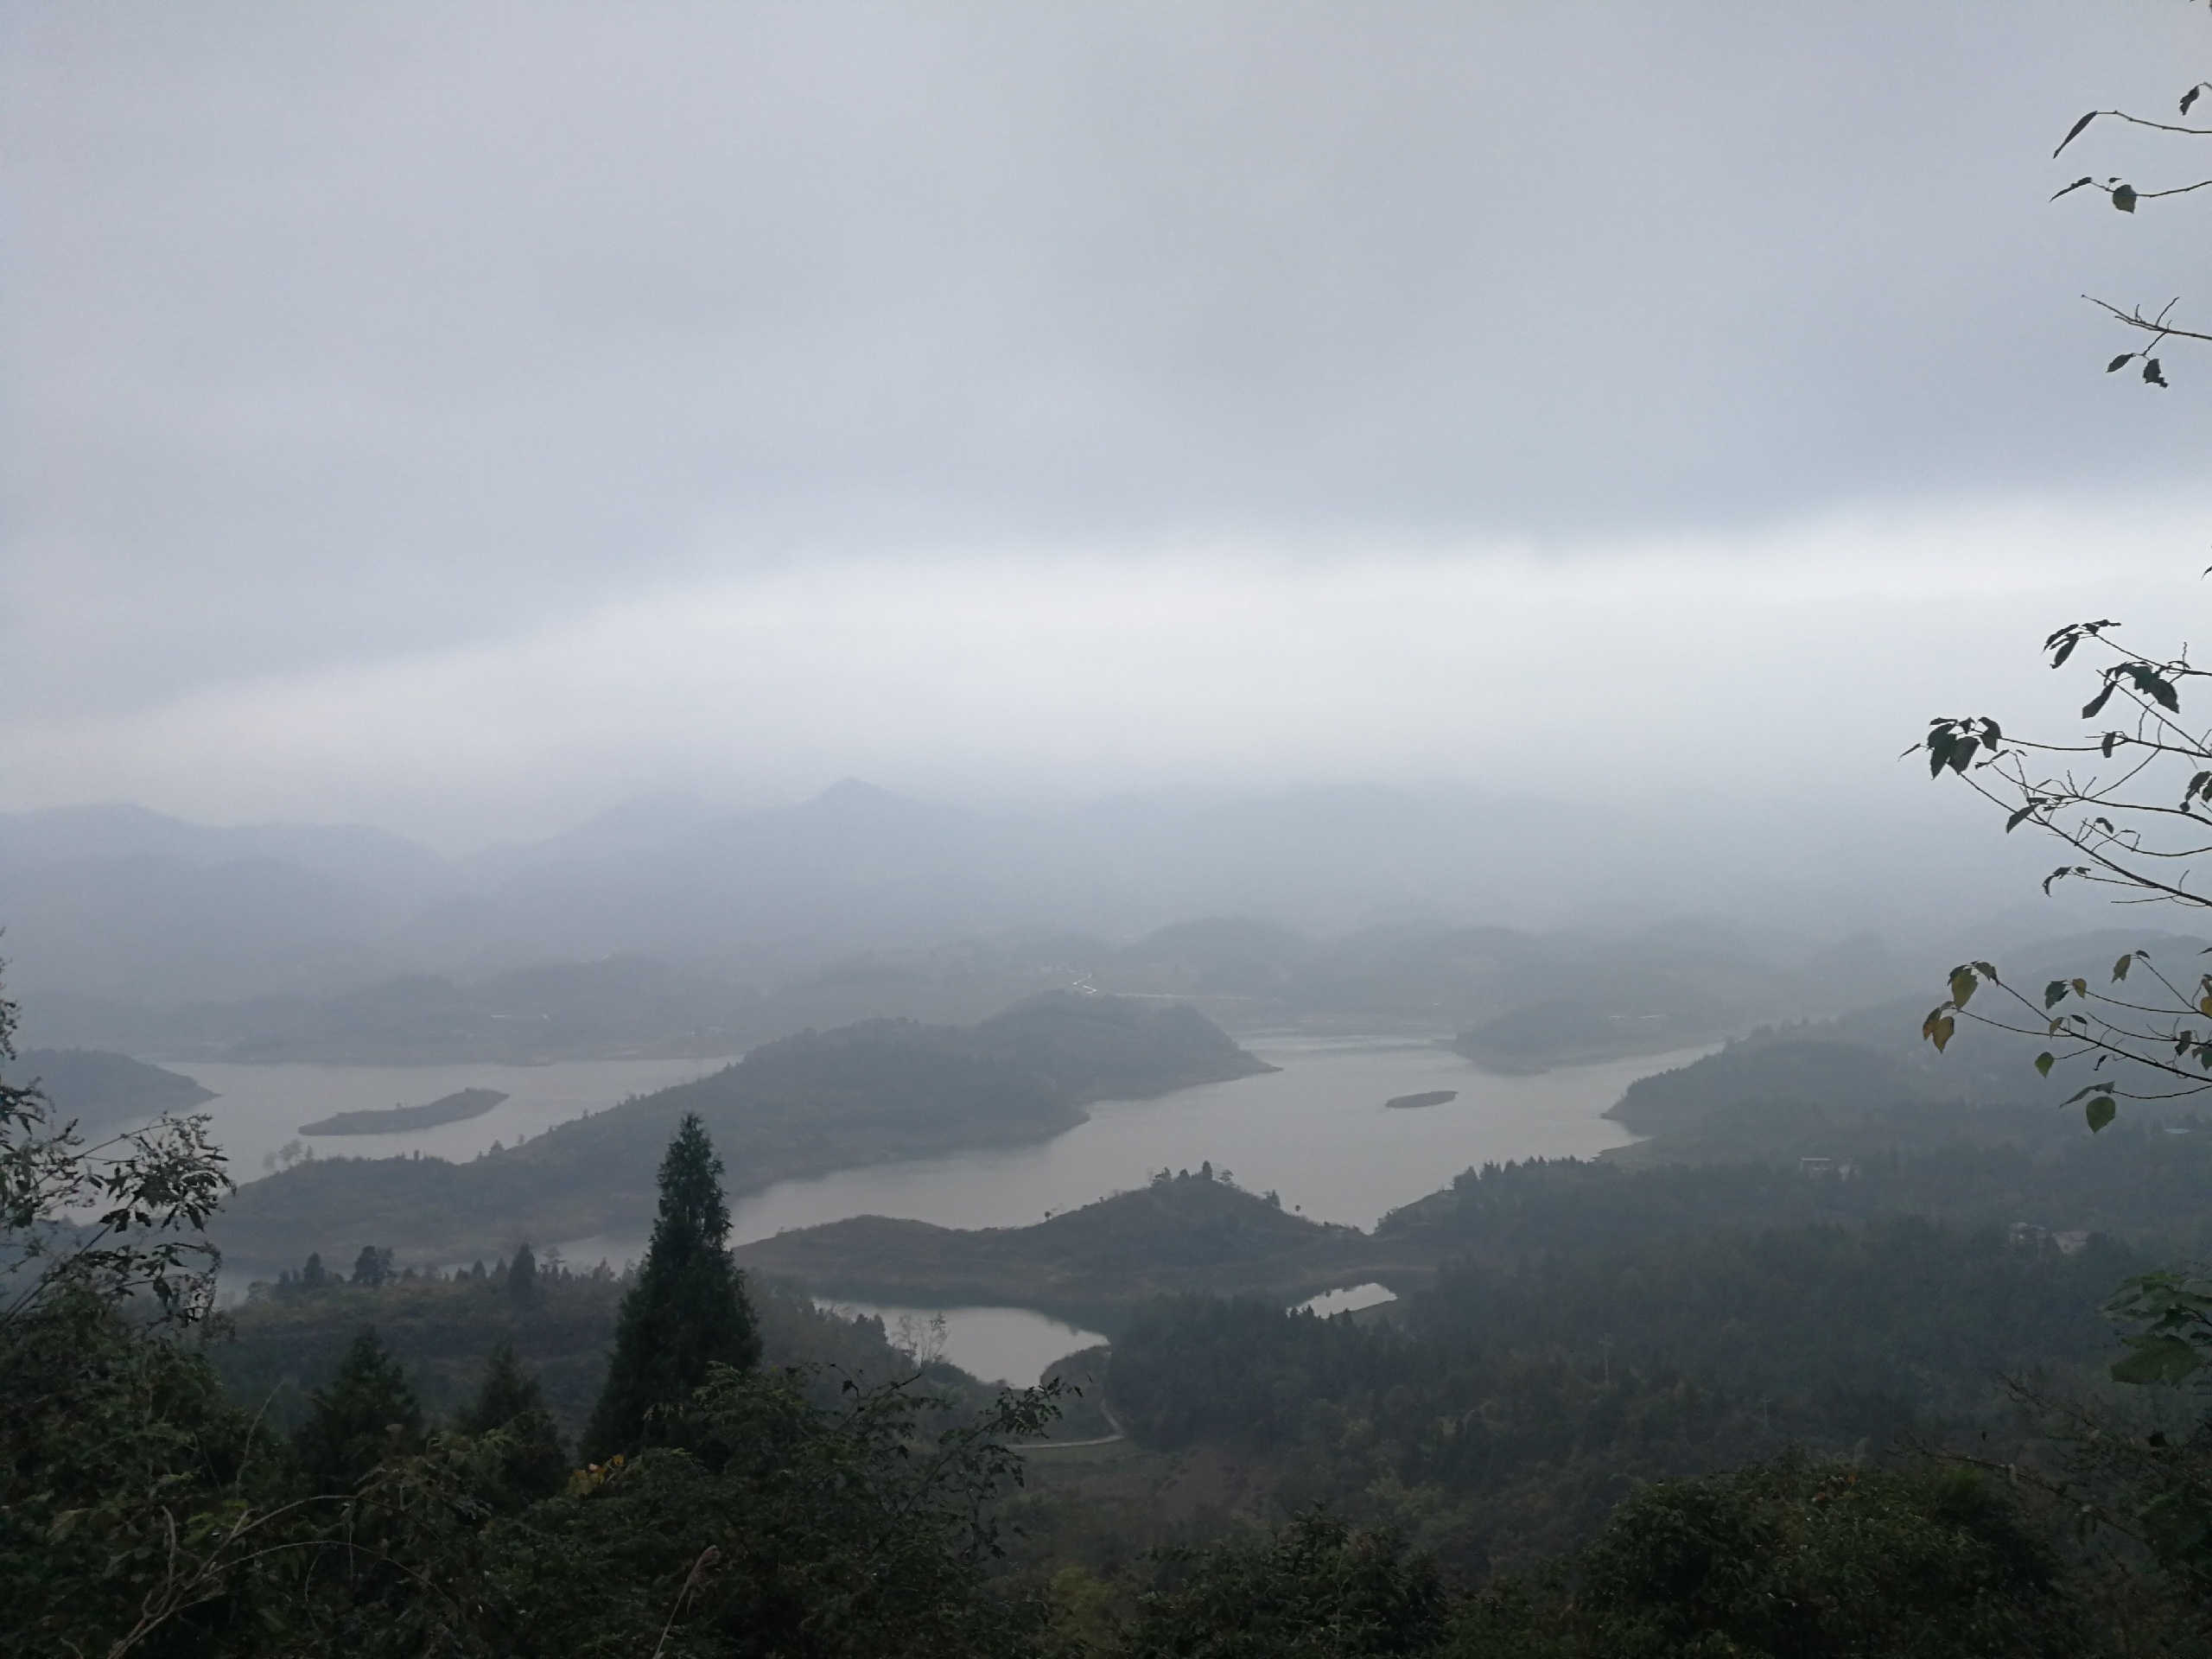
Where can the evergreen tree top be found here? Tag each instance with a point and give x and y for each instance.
(508, 1392)
(687, 1311)
(692, 1211)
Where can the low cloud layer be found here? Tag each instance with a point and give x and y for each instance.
(460, 416)
(1774, 676)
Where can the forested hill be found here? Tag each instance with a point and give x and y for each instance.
(869, 1093)
(101, 1091)
(1183, 1232)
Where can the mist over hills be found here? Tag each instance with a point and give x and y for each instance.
(129, 906)
(120, 902)
(1517, 1000)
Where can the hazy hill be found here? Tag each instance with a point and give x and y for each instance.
(124, 902)
(1866, 1081)
(132, 905)
(1519, 999)
(101, 1091)
(870, 1093)
(623, 1005)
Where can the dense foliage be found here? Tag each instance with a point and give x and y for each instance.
(1503, 1411)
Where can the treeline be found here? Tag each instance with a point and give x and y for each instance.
(2137, 1181)
(292, 1333)
(1502, 1413)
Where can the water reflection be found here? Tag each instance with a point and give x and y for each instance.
(999, 1344)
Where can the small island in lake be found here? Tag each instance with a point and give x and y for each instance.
(1433, 1097)
(449, 1108)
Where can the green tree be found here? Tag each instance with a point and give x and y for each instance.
(1800, 1558)
(367, 1415)
(129, 1492)
(787, 1529)
(1314, 1590)
(124, 1220)
(373, 1268)
(509, 1404)
(687, 1312)
(522, 1274)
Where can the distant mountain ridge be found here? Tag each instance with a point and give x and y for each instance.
(125, 903)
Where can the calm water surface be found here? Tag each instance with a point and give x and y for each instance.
(259, 1108)
(999, 1344)
(1316, 1132)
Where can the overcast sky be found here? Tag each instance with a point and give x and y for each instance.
(461, 415)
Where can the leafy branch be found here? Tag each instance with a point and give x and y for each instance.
(2132, 804)
(2125, 197)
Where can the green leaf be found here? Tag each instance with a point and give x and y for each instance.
(2075, 131)
(1937, 1028)
(2153, 373)
(1963, 985)
(2155, 686)
(2100, 1111)
(2054, 992)
(2095, 705)
(2190, 98)
(2120, 969)
(2119, 362)
(2044, 1061)
(2123, 197)
(2156, 1360)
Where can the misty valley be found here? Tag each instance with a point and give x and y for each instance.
(1225, 830)
(1456, 1240)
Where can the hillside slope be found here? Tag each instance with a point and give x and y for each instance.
(871, 1093)
(1181, 1233)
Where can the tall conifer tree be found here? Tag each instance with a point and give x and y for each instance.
(687, 1312)
(367, 1414)
(511, 1402)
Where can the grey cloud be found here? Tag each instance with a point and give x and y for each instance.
(335, 331)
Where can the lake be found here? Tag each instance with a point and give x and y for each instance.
(258, 1109)
(1316, 1132)
(998, 1344)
